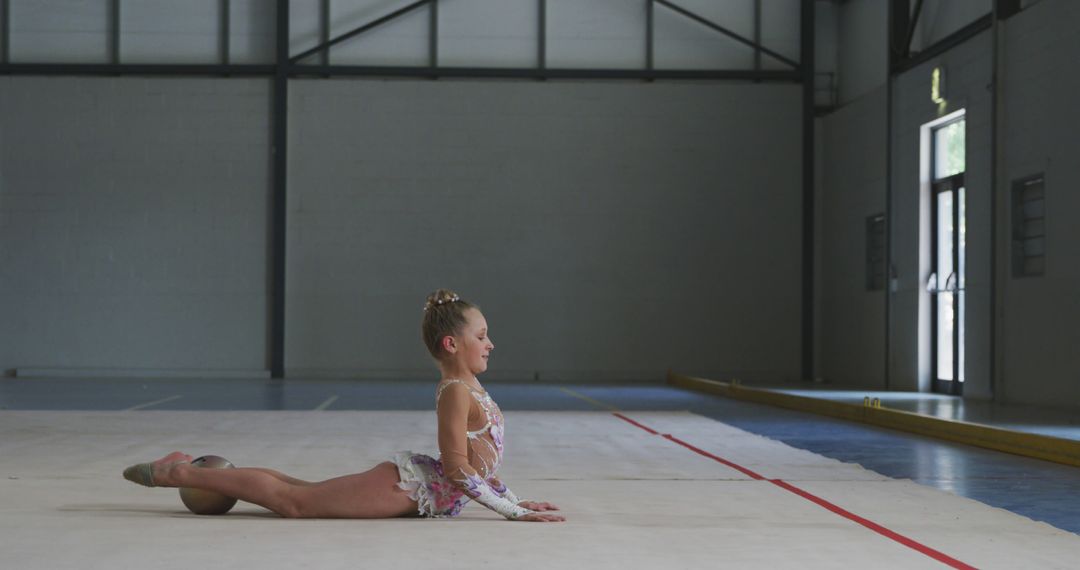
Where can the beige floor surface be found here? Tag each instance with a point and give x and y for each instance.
(633, 499)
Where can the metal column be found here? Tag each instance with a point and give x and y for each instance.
(5, 32)
(279, 145)
(807, 69)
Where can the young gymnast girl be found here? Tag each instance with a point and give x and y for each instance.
(470, 427)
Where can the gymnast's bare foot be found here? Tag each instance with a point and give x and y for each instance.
(158, 473)
(162, 468)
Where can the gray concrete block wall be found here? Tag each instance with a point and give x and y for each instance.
(852, 319)
(133, 223)
(608, 230)
(1040, 319)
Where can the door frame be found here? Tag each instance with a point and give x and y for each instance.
(938, 186)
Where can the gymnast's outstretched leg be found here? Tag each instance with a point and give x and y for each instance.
(372, 494)
(283, 477)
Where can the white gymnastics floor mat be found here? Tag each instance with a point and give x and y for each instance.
(710, 495)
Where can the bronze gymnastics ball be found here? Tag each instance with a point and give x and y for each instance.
(203, 502)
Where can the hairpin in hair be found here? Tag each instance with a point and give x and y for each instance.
(445, 301)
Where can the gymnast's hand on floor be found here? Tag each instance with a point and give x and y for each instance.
(541, 517)
(537, 506)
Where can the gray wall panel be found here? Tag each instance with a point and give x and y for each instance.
(1039, 326)
(863, 51)
(853, 188)
(133, 232)
(608, 230)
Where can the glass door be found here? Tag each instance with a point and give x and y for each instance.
(948, 250)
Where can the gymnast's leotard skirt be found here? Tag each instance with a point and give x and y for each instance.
(422, 476)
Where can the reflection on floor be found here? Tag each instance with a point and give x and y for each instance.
(1037, 489)
(1033, 419)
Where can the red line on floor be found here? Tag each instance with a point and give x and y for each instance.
(624, 418)
(736, 466)
(910, 543)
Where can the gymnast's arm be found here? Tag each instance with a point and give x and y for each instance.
(453, 413)
(503, 491)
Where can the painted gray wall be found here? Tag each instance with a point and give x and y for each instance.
(852, 188)
(133, 214)
(862, 48)
(133, 228)
(608, 230)
(1040, 318)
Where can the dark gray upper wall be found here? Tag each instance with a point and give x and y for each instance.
(859, 29)
(1040, 318)
(940, 18)
(863, 52)
(608, 230)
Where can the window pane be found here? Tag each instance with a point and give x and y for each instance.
(945, 239)
(960, 324)
(949, 150)
(946, 281)
(961, 200)
(945, 336)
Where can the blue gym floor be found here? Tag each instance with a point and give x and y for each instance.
(1037, 489)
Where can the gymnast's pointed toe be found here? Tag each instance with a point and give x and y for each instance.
(141, 474)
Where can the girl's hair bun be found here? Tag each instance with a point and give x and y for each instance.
(444, 314)
(441, 297)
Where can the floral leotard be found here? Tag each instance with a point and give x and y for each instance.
(469, 458)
